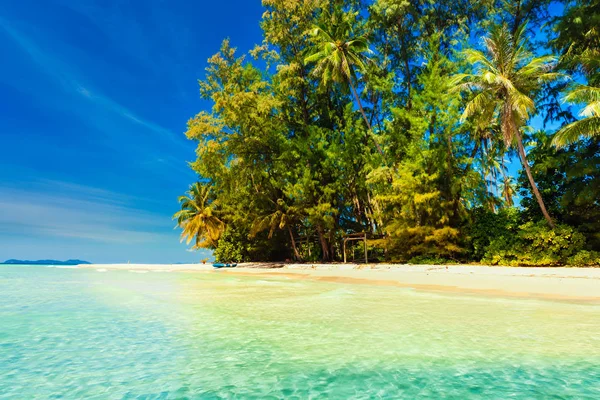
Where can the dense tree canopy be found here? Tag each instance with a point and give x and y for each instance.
(406, 121)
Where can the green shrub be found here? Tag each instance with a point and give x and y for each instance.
(422, 243)
(502, 239)
(236, 246)
(584, 258)
(534, 244)
(487, 226)
(230, 248)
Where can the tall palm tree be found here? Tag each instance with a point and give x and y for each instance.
(590, 124)
(337, 54)
(196, 218)
(506, 78)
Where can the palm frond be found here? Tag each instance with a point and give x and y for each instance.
(583, 94)
(477, 57)
(479, 103)
(520, 103)
(571, 133)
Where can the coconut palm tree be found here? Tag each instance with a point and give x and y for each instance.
(508, 190)
(337, 54)
(590, 124)
(196, 218)
(505, 79)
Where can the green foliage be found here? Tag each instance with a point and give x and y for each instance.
(578, 41)
(235, 245)
(409, 244)
(197, 217)
(577, 38)
(422, 208)
(584, 258)
(488, 226)
(569, 181)
(503, 239)
(589, 125)
(534, 244)
(347, 119)
(230, 248)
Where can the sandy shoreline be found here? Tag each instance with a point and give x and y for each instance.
(555, 283)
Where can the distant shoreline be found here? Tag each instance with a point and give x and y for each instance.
(71, 262)
(560, 283)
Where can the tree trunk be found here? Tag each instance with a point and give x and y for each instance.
(534, 187)
(324, 245)
(376, 213)
(362, 111)
(473, 154)
(331, 246)
(296, 253)
(408, 77)
(506, 189)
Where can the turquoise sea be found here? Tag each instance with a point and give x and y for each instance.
(86, 334)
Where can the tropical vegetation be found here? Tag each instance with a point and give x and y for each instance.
(445, 131)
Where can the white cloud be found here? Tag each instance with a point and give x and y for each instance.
(63, 209)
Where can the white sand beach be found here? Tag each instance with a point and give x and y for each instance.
(554, 283)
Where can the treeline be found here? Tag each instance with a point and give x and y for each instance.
(405, 120)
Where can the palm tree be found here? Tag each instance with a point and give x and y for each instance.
(508, 190)
(197, 218)
(506, 78)
(338, 54)
(590, 124)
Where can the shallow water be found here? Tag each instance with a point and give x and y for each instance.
(70, 333)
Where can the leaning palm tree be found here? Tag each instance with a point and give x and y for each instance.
(196, 218)
(337, 54)
(506, 78)
(590, 124)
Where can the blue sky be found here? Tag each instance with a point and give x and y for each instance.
(94, 98)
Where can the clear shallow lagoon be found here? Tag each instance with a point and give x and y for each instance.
(70, 333)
